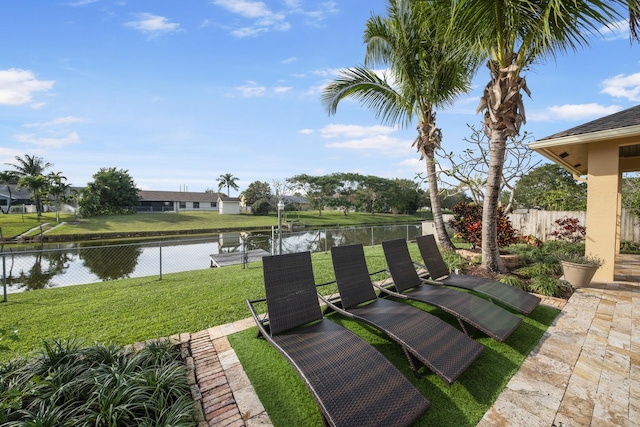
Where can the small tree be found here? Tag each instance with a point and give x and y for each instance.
(255, 191)
(261, 207)
(112, 192)
(470, 168)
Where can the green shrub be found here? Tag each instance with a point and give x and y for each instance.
(540, 269)
(628, 247)
(514, 281)
(261, 207)
(68, 385)
(454, 260)
(549, 286)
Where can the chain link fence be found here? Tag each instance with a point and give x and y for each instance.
(55, 265)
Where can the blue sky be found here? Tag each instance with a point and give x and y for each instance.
(180, 92)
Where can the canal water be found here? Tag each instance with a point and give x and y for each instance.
(29, 267)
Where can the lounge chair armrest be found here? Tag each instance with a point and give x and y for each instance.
(334, 307)
(259, 319)
(389, 292)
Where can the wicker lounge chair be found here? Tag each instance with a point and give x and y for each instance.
(439, 274)
(425, 339)
(471, 311)
(352, 383)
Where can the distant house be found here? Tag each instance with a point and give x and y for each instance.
(18, 197)
(175, 201)
(297, 203)
(229, 205)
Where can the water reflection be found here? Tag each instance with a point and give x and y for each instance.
(111, 263)
(52, 265)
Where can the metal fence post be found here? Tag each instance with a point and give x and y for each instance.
(160, 246)
(4, 277)
(372, 236)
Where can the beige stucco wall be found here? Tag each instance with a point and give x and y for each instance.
(603, 206)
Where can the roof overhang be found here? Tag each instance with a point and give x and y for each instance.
(571, 152)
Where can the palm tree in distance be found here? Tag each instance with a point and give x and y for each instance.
(512, 36)
(29, 170)
(426, 70)
(227, 180)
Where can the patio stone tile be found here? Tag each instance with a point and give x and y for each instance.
(616, 363)
(228, 359)
(221, 344)
(574, 411)
(506, 414)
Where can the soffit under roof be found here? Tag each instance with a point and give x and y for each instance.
(569, 148)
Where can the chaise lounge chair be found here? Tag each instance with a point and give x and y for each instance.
(425, 338)
(352, 383)
(471, 311)
(439, 274)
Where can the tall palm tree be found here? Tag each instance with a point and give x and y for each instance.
(512, 36)
(58, 189)
(426, 70)
(32, 167)
(227, 180)
(7, 178)
(36, 184)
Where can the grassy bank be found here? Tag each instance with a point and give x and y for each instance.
(14, 225)
(131, 310)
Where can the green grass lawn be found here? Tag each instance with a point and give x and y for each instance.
(288, 402)
(13, 225)
(131, 310)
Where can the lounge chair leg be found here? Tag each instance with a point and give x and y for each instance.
(414, 363)
(466, 327)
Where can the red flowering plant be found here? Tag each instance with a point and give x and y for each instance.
(467, 222)
(569, 230)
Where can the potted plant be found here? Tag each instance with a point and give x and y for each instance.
(578, 269)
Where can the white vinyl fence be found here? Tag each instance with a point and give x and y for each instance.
(542, 223)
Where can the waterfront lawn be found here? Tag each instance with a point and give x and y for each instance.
(13, 225)
(130, 310)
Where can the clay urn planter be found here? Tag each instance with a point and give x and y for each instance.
(578, 269)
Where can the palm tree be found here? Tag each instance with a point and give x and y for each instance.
(36, 184)
(227, 180)
(512, 36)
(426, 71)
(32, 167)
(7, 178)
(58, 189)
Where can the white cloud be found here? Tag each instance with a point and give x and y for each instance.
(263, 19)
(251, 90)
(56, 122)
(622, 86)
(370, 140)
(290, 60)
(616, 31)
(574, 112)
(153, 25)
(18, 86)
(282, 89)
(306, 131)
(81, 3)
(71, 138)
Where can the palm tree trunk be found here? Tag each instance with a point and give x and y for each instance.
(436, 206)
(491, 260)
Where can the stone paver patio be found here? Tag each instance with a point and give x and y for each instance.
(584, 372)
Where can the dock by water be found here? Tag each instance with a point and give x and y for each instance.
(234, 258)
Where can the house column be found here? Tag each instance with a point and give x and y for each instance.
(603, 206)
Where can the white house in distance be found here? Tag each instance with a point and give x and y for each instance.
(175, 201)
